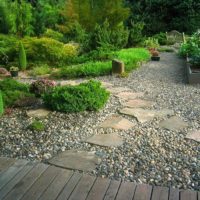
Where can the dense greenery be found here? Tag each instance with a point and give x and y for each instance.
(86, 96)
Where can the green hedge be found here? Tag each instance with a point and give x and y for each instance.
(86, 96)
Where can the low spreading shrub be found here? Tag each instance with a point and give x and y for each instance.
(151, 43)
(54, 35)
(86, 96)
(13, 91)
(40, 70)
(39, 87)
(36, 126)
(162, 38)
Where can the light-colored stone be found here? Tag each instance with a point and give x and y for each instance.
(38, 113)
(146, 115)
(117, 122)
(137, 103)
(129, 95)
(195, 135)
(173, 123)
(106, 84)
(77, 160)
(107, 140)
(64, 83)
(116, 90)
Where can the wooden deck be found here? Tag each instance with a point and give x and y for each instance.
(20, 179)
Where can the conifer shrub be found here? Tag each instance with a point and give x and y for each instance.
(22, 57)
(86, 96)
(1, 104)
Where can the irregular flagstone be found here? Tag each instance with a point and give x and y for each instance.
(145, 115)
(106, 140)
(115, 90)
(106, 84)
(77, 160)
(117, 122)
(194, 136)
(137, 103)
(63, 83)
(173, 123)
(38, 113)
(129, 95)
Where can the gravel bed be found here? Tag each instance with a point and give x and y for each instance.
(149, 154)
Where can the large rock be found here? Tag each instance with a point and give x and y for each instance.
(129, 95)
(38, 113)
(173, 123)
(146, 115)
(137, 103)
(76, 160)
(195, 135)
(117, 122)
(107, 140)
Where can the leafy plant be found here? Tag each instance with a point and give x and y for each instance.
(39, 87)
(54, 35)
(195, 61)
(14, 69)
(36, 126)
(151, 43)
(1, 104)
(86, 96)
(40, 70)
(22, 57)
(162, 38)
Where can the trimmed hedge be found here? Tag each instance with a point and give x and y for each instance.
(86, 96)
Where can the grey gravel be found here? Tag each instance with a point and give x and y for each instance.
(149, 153)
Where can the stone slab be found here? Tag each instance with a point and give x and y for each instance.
(173, 123)
(106, 140)
(116, 90)
(143, 115)
(195, 135)
(129, 95)
(76, 160)
(38, 113)
(117, 122)
(106, 84)
(137, 103)
(64, 83)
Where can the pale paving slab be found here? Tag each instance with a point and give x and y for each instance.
(78, 160)
(129, 95)
(137, 103)
(195, 135)
(106, 84)
(106, 140)
(173, 123)
(64, 83)
(117, 122)
(116, 90)
(143, 115)
(39, 113)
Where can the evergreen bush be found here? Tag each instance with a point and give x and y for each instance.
(22, 57)
(1, 104)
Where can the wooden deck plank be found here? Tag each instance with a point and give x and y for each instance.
(126, 191)
(41, 184)
(5, 163)
(11, 172)
(160, 193)
(8, 187)
(83, 188)
(22, 186)
(174, 194)
(188, 195)
(57, 185)
(69, 187)
(143, 192)
(112, 190)
(99, 189)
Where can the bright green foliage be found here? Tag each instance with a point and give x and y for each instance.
(40, 70)
(54, 35)
(13, 91)
(151, 43)
(22, 57)
(86, 96)
(1, 104)
(36, 126)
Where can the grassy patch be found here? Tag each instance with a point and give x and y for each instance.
(40, 70)
(36, 126)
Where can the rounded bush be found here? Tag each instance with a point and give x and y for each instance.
(86, 96)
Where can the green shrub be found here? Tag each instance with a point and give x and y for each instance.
(162, 38)
(13, 91)
(40, 70)
(151, 43)
(22, 57)
(86, 96)
(36, 126)
(1, 104)
(54, 35)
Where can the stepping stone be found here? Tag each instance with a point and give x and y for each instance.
(115, 90)
(194, 136)
(76, 160)
(174, 123)
(106, 84)
(117, 122)
(38, 113)
(64, 83)
(129, 95)
(137, 103)
(106, 140)
(146, 115)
